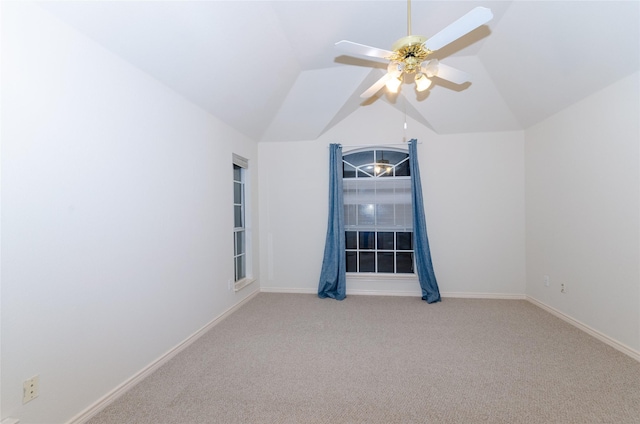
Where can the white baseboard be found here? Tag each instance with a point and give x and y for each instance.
(465, 295)
(349, 291)
(591, 331)
(103, 402)
(287, 290)
(399, 293)
(361, 292)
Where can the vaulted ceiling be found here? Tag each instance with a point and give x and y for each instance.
(270, 68)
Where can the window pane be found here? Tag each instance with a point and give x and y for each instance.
(351, 239)
(349, 187)
(392, 156)
(367, 240)
(385, 215)
(404, 262)
(366, 192)
(384, 170)
(350, 215)
(235, 269)
(403, 241)
(237, 173)
(348, 171)
(240, 268)
(359, 158)
(367, 262)
(352, 262)
(385, 262)
(239, 242)
(402, 170)
(237, 216)
(362, 174)
(404, 215)
(385, 241)
(237, 192)
(366, 215)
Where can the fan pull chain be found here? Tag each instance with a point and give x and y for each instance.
(405, 120)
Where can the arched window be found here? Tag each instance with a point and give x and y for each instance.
(377, 211)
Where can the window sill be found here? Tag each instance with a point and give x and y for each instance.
(240, 284)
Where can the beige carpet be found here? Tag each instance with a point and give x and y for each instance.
(287, 358)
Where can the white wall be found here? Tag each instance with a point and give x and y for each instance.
(116, 217)
(474, 201)
(582, 206)
(116, 239)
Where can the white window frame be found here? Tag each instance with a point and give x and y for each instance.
(376, 249)
(245, 205)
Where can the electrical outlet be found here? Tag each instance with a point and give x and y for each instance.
(546, 281)
(30, 389)
(563, 289)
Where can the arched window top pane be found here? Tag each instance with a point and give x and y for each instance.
(359, 158)
(376, 163)
(393, 157)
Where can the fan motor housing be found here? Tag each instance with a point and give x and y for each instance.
(409, 40)
(410, 51)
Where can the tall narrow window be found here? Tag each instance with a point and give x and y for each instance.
(241, 240)
(239, 253)
(377, 212)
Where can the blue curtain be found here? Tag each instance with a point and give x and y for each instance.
(427, 277)
(333, 277)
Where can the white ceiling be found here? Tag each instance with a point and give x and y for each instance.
(270, 68)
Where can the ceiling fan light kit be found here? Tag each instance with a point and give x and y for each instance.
(410, 54)
(422, 82)
(393, 84)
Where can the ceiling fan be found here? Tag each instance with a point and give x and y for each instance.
(410, 53)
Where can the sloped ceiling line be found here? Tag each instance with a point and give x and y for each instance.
(270, 70)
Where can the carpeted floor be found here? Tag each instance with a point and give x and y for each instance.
(289, 358)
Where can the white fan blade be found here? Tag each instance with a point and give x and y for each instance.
(361, 49)
(454, 75)
(431, 68)
(464, 25)
(377, 86)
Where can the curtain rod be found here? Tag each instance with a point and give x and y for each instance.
(375, 145)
